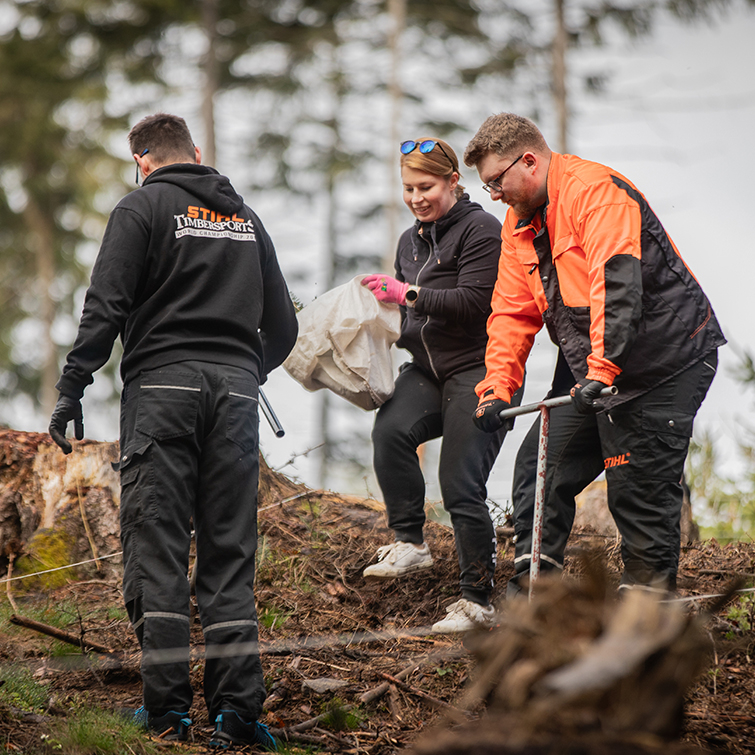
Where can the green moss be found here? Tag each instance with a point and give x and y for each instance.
(48, 549)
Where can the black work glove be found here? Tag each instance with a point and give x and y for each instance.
(66, 410)
(583, 396)
(486, 415)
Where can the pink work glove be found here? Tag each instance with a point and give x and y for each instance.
(386, 289)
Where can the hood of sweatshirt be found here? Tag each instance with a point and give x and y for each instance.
(206, 184)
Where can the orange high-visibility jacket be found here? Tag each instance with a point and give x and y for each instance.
(606, 279)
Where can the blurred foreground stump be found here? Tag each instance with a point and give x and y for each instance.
(57, 510)
(577, 671)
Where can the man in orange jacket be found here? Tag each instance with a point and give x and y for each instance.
(583, 252)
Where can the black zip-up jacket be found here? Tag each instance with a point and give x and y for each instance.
(186, 271)
(454, 261)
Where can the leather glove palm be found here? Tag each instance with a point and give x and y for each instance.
(583, 396)
(66, 410)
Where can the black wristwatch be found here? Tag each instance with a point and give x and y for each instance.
(411, 296)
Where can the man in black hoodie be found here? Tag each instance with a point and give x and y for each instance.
(188, 277)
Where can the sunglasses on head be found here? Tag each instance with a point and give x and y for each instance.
(137, 166)
(428, 145)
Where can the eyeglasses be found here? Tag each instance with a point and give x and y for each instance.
(495, 184)
(424, 147)
(137, 166)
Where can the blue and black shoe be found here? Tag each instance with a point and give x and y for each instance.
(172, 726)
(231, 729)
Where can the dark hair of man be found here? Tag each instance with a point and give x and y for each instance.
(506, 135)
(166, 137)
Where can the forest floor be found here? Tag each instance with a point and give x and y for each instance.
(329, 639)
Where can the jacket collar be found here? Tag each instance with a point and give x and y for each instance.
(555, 173)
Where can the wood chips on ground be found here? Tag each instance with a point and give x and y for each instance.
(329, 640)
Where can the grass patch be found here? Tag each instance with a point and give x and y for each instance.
(273, 617)
(340, 717)
(286, 748)
(274, 567)
(742, 615)
(93, 732)
(21, 691)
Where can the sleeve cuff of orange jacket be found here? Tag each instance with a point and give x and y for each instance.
(601, 370)
(487, 392)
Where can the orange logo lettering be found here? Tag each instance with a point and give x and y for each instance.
(616, 461)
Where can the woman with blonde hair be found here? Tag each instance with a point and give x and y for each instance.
(446, 266)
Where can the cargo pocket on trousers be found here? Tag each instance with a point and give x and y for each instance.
(137, 500)
(671, 431)
(242, 427)
(168, 403)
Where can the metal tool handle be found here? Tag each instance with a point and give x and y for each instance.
(273, 421)
(515, 411)
(538, 512)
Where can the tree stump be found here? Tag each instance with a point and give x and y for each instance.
(58, 509)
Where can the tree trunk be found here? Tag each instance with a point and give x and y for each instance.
(211, 80)
(559, 77)
(397, 11)
(41, 230)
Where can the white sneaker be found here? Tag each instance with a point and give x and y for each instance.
(463, 616)
(399, 558)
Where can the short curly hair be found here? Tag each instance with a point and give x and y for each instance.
(506, 135)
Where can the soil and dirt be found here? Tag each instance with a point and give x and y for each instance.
(329, 639)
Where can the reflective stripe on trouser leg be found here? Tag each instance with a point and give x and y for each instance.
(233, 671)
(164, 638)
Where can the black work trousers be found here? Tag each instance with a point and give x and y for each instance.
(189, 453)
(642, 446)
(419, 410)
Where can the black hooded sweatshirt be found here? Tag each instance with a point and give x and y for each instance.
(186, 271)
(454, 261)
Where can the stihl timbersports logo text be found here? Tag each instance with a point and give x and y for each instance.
(616, 461)
(201, 222)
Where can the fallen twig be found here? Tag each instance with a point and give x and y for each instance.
(59, 634)
(11, 559)
(423, 695)
(305, 725)
(290, 736)
(85, 520)
(381, 689)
